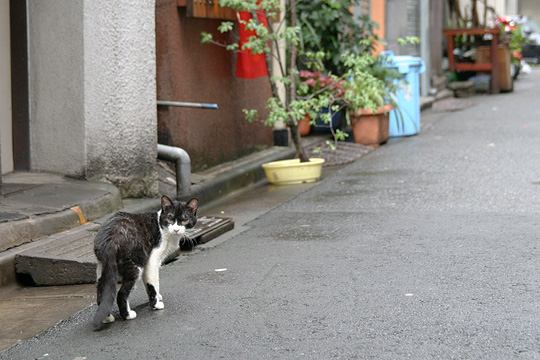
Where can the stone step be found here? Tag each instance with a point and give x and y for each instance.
(68, 258)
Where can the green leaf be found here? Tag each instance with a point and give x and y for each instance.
(250, 114)
(206, 38)
(225, 26)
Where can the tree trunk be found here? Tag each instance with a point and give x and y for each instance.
(300, 152)
(295, 134)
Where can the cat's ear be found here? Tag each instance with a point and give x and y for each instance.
(166, 202)
(193, 205)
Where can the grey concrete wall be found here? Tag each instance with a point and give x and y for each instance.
(6, 144)
(93, 92)
(402, 19)
(436, 35)
(530, 8)
(120, 94)
(57, 136)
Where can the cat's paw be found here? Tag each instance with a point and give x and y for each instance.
(131, 315)
(109, 319)
(158, 305)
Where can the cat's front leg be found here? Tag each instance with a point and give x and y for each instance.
(151, 282)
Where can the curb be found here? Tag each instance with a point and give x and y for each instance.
(219, 181)
(216, 183)
(230, 177)
(25, 234)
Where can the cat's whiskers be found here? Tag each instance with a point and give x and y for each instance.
(188, 240)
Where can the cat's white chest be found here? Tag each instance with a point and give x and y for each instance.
(169, 244)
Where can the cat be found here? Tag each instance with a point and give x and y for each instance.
(130, 245)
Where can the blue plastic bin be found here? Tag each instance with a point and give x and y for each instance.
(405, 119)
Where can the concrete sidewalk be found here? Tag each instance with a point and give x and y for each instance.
(34, 206)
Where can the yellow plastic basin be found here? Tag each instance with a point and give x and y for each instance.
(286, 172)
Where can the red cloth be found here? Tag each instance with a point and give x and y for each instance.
(249, 65)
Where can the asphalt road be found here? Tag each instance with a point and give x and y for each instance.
(427, 248)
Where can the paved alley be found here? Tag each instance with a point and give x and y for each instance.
(427, 248)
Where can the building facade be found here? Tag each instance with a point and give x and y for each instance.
(82, 94)
(80, 80)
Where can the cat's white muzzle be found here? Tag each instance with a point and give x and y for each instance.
(176, 229)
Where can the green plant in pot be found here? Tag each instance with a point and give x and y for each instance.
(296, 103)
(369, 97)
(330, 90)
(330, 29)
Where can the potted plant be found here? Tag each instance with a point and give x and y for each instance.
(369, 98)
(298, 103)
(330, 29)
(327, 86)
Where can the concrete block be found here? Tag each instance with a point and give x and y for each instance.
(68, 258)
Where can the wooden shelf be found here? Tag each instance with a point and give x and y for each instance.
(491, 68)
(207, 9)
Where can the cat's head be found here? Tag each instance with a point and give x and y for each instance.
(175, 218)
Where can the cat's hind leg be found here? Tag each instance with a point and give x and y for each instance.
(130, 274)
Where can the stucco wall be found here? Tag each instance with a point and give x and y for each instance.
(57, 136)
(402, 19)
(190, 71)
(530, 8)
(6, 145)
(93, 91)
(120, 94)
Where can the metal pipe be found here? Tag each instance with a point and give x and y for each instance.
(183, 167)
(208, 106)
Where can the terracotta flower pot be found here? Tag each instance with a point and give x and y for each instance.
(371, 127)
(304, 126)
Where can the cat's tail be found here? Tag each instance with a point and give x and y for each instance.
(106, 288)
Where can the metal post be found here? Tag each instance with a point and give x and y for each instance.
(425, 48)
(207, 106)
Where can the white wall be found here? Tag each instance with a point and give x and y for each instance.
(93, 107)
(93, 110)
(530, 8)
(6, 143)
(56, 86)
(498, 5)
(120, 108)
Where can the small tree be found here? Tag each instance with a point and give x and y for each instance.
(329, 27)
(297, 102)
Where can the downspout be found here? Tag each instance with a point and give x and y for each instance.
(178, 155)
(183, 167)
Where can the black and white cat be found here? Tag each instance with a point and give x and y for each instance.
(130, 245)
